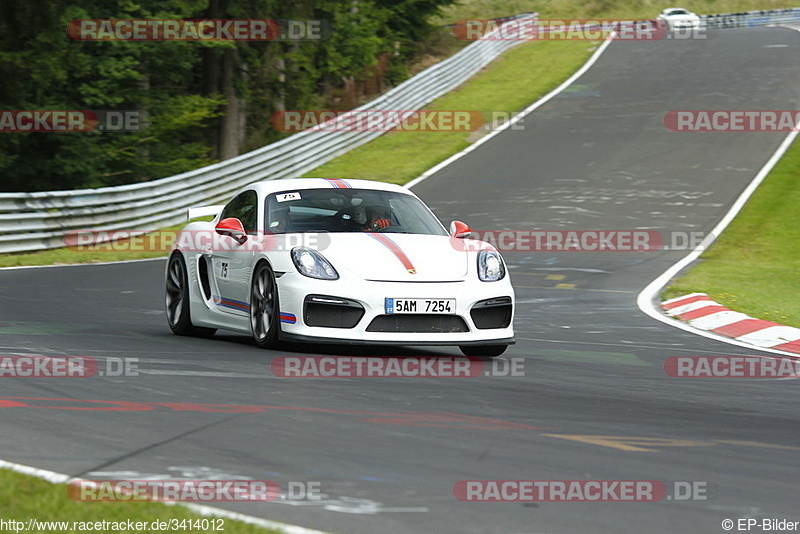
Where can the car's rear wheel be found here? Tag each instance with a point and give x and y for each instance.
(177, 300)
(264, 320)
(483, 351)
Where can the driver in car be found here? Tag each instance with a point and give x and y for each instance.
(378, 218)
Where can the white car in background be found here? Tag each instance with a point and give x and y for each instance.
(678, 17)
(338, 261)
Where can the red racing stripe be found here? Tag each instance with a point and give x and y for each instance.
(338, 183)
(396, 250)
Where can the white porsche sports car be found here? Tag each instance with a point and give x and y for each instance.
(337, 261)
(678, 17)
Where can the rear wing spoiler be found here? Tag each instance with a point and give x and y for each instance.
(204, 211)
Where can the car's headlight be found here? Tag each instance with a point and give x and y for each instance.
(490, 266)
(313, 264)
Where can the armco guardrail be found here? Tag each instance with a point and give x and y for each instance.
(752, 18)
(41, 220)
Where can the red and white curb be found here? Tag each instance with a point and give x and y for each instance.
(700, 311)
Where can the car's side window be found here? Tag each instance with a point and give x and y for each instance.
(244, 207)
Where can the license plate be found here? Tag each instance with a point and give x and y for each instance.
(420, 305)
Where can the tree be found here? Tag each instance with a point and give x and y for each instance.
(204, 100)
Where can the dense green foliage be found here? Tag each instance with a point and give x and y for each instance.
(205, 101)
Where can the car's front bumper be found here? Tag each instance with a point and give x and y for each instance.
(371, 295)
(684, 24)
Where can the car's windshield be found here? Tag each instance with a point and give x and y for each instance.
(348, 210)
(677, 12)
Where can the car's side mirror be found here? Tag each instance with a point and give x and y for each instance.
(459, 229)
(232, 227)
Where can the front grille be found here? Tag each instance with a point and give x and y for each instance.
(419, 323)
(492, 313)
(331, 312)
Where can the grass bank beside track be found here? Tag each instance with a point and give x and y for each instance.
(26, 497)
(754, 266)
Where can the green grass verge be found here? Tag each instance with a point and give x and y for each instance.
(26, 497)
(64, 256)
(754, 266)
(510, 83)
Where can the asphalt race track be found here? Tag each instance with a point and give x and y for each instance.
(388, 452)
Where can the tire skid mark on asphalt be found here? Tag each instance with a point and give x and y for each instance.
(203, 374)
(424, 419)
(648, 444)
(575, 289)
(654, 346)
(560, 284)
(429, 419)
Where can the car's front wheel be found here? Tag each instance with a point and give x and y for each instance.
(177, 300)
(264, 320)
(483, 351)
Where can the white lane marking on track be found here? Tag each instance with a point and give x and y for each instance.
(204, 510)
